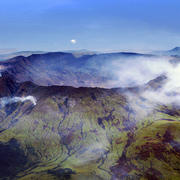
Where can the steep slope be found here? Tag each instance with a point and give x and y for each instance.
(85, 133)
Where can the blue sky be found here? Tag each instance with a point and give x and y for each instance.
(49, 25)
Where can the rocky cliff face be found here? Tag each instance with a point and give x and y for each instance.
(85, 133)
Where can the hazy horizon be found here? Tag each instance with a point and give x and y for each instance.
(9, 50)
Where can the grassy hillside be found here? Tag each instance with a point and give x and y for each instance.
(86, 133)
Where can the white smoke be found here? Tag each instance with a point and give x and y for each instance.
(9, 100)
(138, 71)
(135, 71)
(170, 92)
(147, 100)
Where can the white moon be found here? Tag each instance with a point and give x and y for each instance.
(73, 41)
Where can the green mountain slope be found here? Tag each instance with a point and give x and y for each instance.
(85, 133)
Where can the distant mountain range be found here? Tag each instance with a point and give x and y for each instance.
(173, 52)
(66, 69)
(20, 53)
(77, 53)
(82, 52)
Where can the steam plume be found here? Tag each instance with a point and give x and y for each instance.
(9, 100)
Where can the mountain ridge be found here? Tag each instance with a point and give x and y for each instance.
(60, 68)
(81, 133)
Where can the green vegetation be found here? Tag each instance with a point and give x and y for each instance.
(90, 134)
